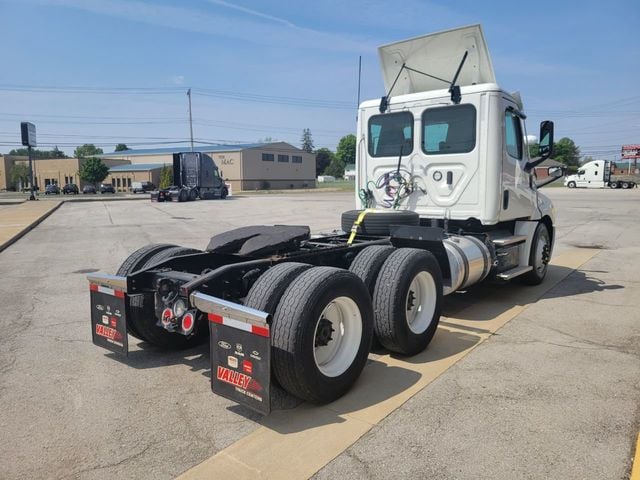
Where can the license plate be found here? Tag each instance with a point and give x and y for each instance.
(109, 318)
(240, 362)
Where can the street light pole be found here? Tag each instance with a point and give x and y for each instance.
(190, 119)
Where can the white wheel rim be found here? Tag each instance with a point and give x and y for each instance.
(421, 302)
(337, 355)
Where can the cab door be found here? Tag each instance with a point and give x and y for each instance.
(518, 197)
(581, 178)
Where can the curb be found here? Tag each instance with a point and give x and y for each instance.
(28, 228)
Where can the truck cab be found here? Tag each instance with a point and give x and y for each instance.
(590, 175)
(444, 156)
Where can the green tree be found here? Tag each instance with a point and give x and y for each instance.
(534, 150)
(19, 175)
(323, 159)
(39, 154)
(166, 177)
(87, 150)
(307, 141)
(335, 168)
(121, 147)
(93, 170)
(567, 152)
(347, 149)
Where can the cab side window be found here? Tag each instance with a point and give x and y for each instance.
(513, 135)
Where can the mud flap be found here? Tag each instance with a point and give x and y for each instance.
(109, 318)
(109, 308)
(240, 344)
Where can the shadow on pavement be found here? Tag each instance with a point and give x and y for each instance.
(490, 299)
(383, 378)
(153, 357)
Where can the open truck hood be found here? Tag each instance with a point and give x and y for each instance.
(437, 54)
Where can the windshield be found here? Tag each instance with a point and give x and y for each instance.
(391, 134)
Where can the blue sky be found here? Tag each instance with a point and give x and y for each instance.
(117, 71)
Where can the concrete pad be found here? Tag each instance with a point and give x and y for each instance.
(16, 221)
(319, 434)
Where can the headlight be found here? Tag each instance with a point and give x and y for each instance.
(179, 307)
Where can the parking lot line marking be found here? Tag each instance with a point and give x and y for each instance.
(295, 444)
(635, 468)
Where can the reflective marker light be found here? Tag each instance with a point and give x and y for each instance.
(188, 322)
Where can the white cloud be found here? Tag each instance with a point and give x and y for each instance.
(253, 12)
(177, 79)
(216, 24)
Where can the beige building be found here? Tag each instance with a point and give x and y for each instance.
(255, 166)
(47, 171)
(123, 176)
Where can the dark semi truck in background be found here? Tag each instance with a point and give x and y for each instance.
(195, 175)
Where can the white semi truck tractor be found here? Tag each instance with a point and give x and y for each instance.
(446, 198)
(601, 174)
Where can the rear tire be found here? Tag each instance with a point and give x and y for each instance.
(613, 185)
(135, 262)
(407, 301)
(368, 263)
(183, 196)
(625, 185)
(168, 253)
(265, 294)
(193, 195)
(321, 334)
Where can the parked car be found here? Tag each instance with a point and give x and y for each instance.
(89, 189)
(142, 187)
(107, 188)
(70, 188)
(52, 189)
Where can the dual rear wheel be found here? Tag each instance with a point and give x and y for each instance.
(324, 317)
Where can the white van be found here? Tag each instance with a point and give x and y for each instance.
(142, 187)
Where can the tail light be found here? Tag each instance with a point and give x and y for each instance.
(188, 322)
(167, 317)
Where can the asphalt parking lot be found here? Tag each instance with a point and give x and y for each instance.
(554, 393)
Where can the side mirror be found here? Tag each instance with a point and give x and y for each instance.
(546, 139)
(554, 173)
(545, 145)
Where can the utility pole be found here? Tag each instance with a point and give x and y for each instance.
(359, 78)
(190, 119)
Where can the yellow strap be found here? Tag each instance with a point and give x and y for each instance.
(356, 224)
